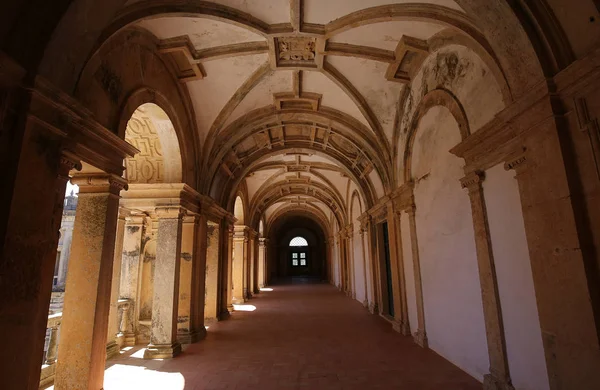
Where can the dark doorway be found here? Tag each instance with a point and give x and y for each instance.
(297, 249)
(388, 296)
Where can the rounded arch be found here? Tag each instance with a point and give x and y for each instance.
(151, 131)
(239, 211)
(114, 98)
(437, 97)
(356, 208)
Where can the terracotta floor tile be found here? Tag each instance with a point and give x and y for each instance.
(301, 336)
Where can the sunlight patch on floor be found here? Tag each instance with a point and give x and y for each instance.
(126, 377)
(266, 289)
(244, 307)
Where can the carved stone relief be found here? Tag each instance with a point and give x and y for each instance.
(148, 165)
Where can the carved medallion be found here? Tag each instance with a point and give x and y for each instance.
(295, 51)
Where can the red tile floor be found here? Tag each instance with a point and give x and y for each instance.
(298, 336)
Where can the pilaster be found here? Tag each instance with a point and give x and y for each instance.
(420, 335)
(499, 376)
(239, 265)
(163, 338)
(86, 309)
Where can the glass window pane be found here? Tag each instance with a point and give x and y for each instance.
(295, 262)
(298, 241)
(303, 255)
(294, 255)
(303, 262)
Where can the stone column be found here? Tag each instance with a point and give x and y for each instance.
(499, 376)
(213, 253)
(165, 302)
(51, 354)
(405, 325)
(238, 265)
(226, 298)
(112, 348)
(350, 259)
(395, 264)
(188, 232)
(366, 274)
(261, 262)
(247, 268)
(253, 287)
(421, 334)
(84, 327)
(130, 271)
(29, 225)
(198, 331)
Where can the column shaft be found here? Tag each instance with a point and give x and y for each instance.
(112, 347)
(199, 280)
(261, 263)
(213, 253)
(84, 327)
(226, 272)
(165, 302)
(31, 212)
(188, 231)
(130, 272)
(499, 377)
(421, 334)
(239, 265)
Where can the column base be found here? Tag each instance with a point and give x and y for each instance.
(162, 351)
(397, 325)
(112, 349)
(372, 308)
(224, 315)
(128, 339)
(492, 383)
(405, 329)
(420, 338)
(191, 337)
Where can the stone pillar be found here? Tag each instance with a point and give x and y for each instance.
(421, 334)
(226, 298)
(130, 271)
(112, 348)
(64, 256)
(366, 274)
(253, 287)
(198, 331)
(188, 232)
(238, 265)
(261, 262)
(247, 268)
(125, 327)
(405, 325)
(499, 376)
(87, 293)
(350, 260)
(213, 253)
(165, 302)
(30, 216)
(51, 354)
(563, 269)
(395, 264)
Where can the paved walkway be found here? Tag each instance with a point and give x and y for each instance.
(298, 336)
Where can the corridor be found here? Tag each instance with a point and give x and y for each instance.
(296, 336)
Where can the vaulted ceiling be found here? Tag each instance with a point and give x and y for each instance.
(296, 101)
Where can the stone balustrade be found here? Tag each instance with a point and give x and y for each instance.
(49, 364)
(126, 335)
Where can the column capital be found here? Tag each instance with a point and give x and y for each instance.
(99, 182)
(517, 161)
(473, 180)
(263, 241)
(169, 212)
(135, 219)
(190, 218)
(67, 162)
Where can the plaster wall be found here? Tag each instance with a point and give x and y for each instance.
(515, 282)
(451, 289)
(409, 273)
